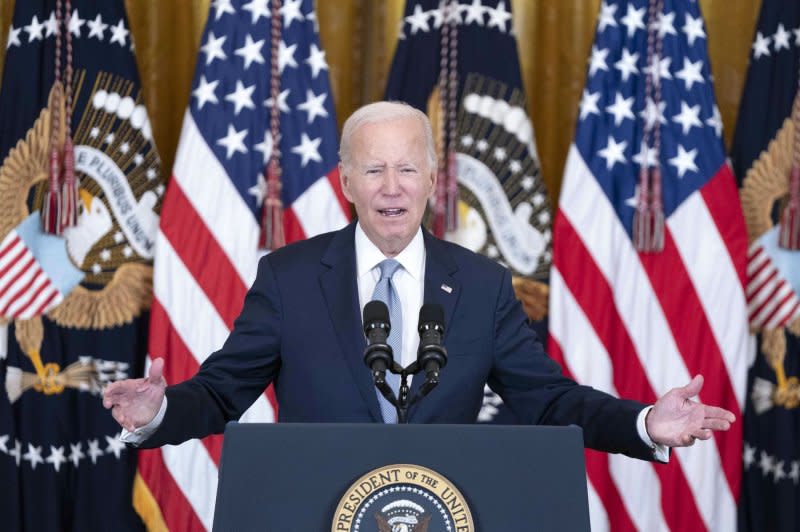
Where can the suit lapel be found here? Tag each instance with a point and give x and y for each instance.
(440, 287)
(340, 289)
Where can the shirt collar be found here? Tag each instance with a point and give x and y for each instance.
(368, 256)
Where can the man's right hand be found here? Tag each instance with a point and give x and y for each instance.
(135, 402)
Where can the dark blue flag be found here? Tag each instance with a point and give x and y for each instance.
(503, 209)
(763, 152)
(75, 302)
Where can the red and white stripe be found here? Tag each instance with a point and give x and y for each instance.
(771, 301)
(637, 325)
(25, 289)
(206, 258)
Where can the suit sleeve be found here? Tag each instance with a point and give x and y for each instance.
(533, 386)
(231, 379)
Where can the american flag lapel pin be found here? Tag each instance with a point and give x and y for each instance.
(447, 288)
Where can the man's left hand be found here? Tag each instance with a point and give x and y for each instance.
(677, 421)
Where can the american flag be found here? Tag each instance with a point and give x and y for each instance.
(638, 324)
(207, 248)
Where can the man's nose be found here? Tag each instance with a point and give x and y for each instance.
(391, 182)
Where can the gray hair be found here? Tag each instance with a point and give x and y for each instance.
(384, 112)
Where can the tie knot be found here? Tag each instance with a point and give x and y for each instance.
(388, 268)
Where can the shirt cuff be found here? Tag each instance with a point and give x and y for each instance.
(660, 452)
(139, 435)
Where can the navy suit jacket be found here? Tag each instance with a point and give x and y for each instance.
(301, 329)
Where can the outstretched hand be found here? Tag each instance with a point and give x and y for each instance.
(677, 421)
(135, 402)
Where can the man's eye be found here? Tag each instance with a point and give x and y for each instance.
(408, 170)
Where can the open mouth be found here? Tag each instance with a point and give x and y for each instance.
(392, 212)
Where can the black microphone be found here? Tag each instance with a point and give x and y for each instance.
(378, 354)
(431, 356)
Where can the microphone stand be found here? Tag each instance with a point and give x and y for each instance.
(401, 401)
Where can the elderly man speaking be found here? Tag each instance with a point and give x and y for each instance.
(301, 328)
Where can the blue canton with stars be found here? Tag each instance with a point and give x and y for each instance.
(231, 102)
(613, 112)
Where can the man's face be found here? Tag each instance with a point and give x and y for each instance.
(389, 180)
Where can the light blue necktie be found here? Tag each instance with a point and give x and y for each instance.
(385, 291)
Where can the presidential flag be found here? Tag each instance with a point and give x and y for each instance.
(637, 316)
(464, 54)
(80, 192)
(208, 240)
(765, 155)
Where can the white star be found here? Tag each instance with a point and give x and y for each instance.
(259, 190)
(467, 140)
(282, 105)
(222, 7)
(482, 145)
(633, 20)
(109, 138)
(666, 24)
(34, 455)
(544, 217)
(794, 474)
(13, 37)
(515, 166)
(778, 471)
(34, 30)
(621, 109)
(75, 23)
(781, 38)
(474, 13)
(418, 20)
(16, 451)
(115, 446)
(97, 269)
(251, 51)
(613, 152)
(651, 113)
(308, 150)
(75, 454)
(119, 237)
(233, 141)
(257, 9)
(663, 68)
(94, 133)
(242, 97)
(749, 455)
(684, 161)
(213, 48)
(205, 92)
(316, 60)
(606, 18)
(646, 156)
(286, 56)
(311, 16)
(56, 457)
(291, 12)
(688, 117)
(500, 154)
(760, 47)
(314, 105)
(498, 17)
(97, 28)
(94, 450)
(159, 191)
(265, 146)
(715, 121)
(105, 255)
(3, 446)
(453, 14)
(690, 73)
(627, 64)
(597, 61)
(633, 201)
(119, 33)
(151, 174)
(124, 148)
(693, 28)
(51, 25)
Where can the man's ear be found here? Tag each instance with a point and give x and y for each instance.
(434, 177)
(344, 181)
